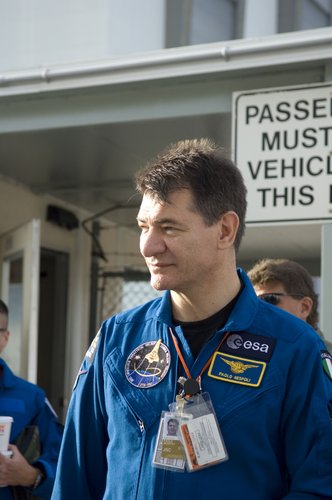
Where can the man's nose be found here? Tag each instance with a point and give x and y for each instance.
(152, 243)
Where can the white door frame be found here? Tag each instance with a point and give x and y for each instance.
(24, 242)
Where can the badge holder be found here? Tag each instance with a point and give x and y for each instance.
(200, 433)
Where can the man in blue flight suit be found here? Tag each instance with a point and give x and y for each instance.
(249, 384)
(28, 406)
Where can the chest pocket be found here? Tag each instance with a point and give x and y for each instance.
(143, 405)
(231, 398)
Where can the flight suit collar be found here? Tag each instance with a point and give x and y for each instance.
(7, 378)
(242, 315)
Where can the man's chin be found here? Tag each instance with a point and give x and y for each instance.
(158, 284)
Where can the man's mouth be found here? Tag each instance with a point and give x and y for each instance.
(158, 265)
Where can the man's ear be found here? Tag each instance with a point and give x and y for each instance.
(4, 340)
(305, 308)
(229, 224)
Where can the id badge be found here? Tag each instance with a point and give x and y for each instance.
(169, 452)
(200, 433)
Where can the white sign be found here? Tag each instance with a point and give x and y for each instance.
(282, 142)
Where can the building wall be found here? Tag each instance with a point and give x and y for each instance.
(38, 33)
(43, 34)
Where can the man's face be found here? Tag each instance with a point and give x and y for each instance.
(298, 306)
(180, 250)
(4, 334)
(172, 427)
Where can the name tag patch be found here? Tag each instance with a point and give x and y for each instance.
(237, 370)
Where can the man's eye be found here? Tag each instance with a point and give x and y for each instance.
(169, 229)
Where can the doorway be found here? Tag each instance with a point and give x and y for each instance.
(54, 268)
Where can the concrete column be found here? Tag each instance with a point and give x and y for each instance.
(326, 281)
(260, 18)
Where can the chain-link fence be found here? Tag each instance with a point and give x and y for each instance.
(123, 290)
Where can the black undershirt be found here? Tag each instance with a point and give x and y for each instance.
(198, 333)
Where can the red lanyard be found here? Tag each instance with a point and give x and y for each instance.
(184, 364)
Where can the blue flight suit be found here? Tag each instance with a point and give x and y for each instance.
(278, 434)
(27, 404)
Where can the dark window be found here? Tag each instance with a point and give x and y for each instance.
(304, 14)
(191, 22)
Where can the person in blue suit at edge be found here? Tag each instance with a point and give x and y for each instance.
(249, 384)
(27, 405)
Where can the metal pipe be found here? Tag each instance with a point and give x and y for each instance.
(94, 273)
(170, 56)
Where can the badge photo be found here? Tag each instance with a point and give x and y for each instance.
(148, 364)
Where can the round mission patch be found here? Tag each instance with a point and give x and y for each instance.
(148, 364)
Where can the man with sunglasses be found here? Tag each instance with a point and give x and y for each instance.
(288, 285)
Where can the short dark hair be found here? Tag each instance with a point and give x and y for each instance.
(199, 165)
(173, 421)
(294, 278)
(3, 308)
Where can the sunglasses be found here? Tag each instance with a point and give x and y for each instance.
(275, 297)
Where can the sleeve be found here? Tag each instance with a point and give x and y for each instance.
(82, 467)
(306, 426)
(50, 432)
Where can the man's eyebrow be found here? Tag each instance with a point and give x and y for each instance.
(160, 221)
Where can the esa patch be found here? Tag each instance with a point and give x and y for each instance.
(237, 370)
(327, 363)
(148, 364)
(249, 345)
